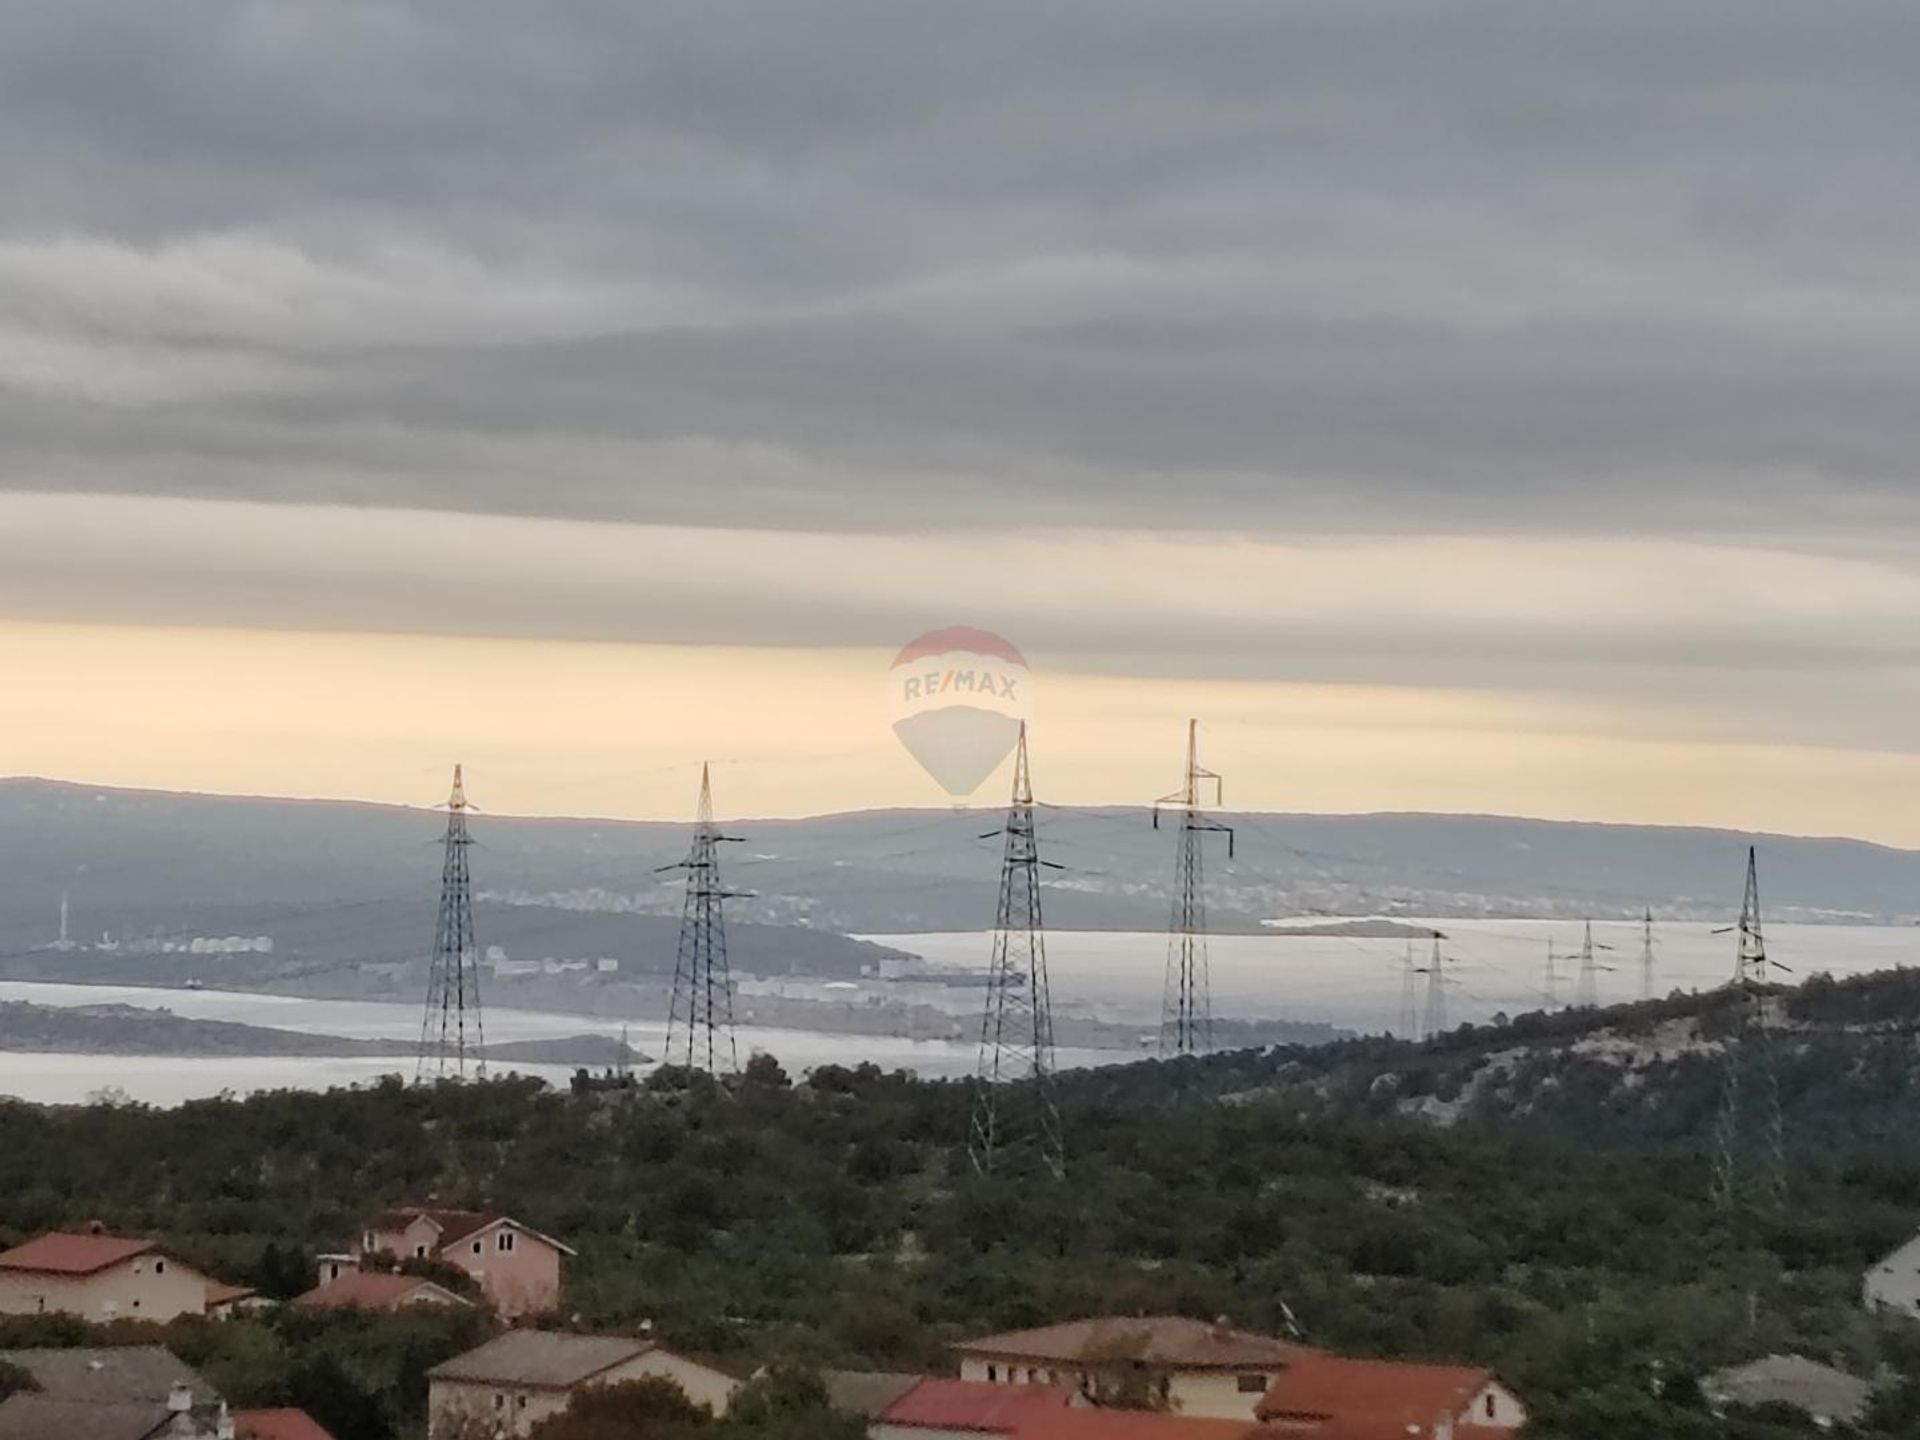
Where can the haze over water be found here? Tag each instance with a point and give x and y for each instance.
(1346, 982)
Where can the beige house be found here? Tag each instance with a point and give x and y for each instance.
(103, 1277)
(512, 1382)
(1192, 1367)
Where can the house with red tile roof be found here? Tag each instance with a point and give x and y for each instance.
(377, 1290)
(1331, 1397)
(517, 1268)
(940, 1409)
(1093, 1424)
(281, 1424)
(1167, 1362)
(103, 1277)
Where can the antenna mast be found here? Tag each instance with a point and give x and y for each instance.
(453, 976)
(1016, 1031)
(1750, 1067)
(700, 1015)
(1186, 1014)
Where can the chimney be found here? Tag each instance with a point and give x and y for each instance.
(1221, 1327)
(179, 1398)
(1443, 1428)
(96, 1227)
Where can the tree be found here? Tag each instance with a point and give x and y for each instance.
(650, 1409)
(787, 1404)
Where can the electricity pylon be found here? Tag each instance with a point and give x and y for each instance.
(451, 1031)
(1435, 1021)
(1186, 1010)
(700, 1014)
(1552, 978)
(1646, 955)
(1013, 1084)
(1750, 1163)
(1409, 997)
(1588, 995)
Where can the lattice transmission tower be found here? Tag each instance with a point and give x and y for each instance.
(1013, 1084)
(1434, 1021)
(1750, 1165)
(451, 1031)
(1646, 955)
(1409, 1026)
(700, 1014)
(1186, 1011)
(1588, 993)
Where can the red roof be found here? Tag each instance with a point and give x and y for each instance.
(220, 1294)
(1173, 1342)
(1370, 1427)
(975, 1405)
(368, 1290)
(59, 1253)
(1364, 1397)
(453, 1225)
(1085, 1423)
(277, 1425)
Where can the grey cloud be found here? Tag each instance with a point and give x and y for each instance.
(1329, 265)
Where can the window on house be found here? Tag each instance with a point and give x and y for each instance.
(159, 1267)
(366, 1241)
(505, 1241)
(993, 1373)
(1489, 1407)
(419, 1252)
(476, 1247)
(521, 1401)
(136, 1304)
(499, 1401)
(1253, 1384)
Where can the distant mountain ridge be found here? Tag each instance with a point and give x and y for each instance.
(354, 878)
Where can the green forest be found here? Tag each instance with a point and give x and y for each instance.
(837, 1221)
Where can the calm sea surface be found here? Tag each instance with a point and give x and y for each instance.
(1491, 966)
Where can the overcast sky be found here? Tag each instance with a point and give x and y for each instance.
(1552, 364)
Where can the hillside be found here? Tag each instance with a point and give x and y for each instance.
(839, 1221)
(1650, 1072)
(333, 880)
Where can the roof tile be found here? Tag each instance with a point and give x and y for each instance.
(62, 1253)
(938, 1404)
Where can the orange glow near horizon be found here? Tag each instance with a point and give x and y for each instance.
(553, 727)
